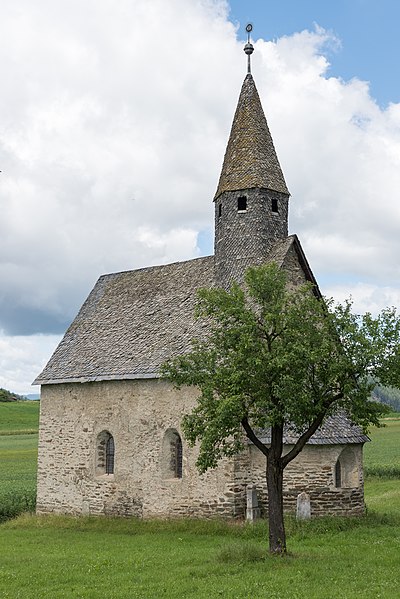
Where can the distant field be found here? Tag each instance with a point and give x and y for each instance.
(383, 453)
(18, 463)
(19, 423)
(19, 417)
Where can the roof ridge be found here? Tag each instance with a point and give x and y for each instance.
(153, 267)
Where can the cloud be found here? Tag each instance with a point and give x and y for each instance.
(115, 118)
(107, 143)
(365, 297)
(341, 156)
(22, 357)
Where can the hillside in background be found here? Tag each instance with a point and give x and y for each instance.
(9, 396)
(389, 396)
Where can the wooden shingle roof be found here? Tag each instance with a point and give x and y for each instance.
(250, 158)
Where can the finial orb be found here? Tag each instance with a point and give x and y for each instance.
(249, 27)
(249, 49)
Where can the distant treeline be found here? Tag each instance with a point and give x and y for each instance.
(389, 396)
(9, 396)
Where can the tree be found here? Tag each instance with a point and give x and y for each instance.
(277, 355)
(9, 396)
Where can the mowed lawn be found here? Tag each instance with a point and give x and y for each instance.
(333, 558)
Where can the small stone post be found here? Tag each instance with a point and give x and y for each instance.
(303, 511)
(252, 511)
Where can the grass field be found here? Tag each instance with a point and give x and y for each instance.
(383, 454)
(73, 558)
(19, 423)
(19, 417)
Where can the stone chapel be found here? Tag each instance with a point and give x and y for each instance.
(110, 440)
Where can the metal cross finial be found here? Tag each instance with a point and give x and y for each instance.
(249, 48)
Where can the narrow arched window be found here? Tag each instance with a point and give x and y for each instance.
(177, 458)
(105, 453)
(110, 453)
(338, 475)
(274, 205)
(172, 455)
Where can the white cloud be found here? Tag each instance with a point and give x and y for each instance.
(365, 297)
(341, 156)
(22, 358)
(115, 118)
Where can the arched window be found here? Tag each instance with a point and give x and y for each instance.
(338, 475)
(177, 457)
(110, 452)
(346, 473)
(171, 460)
(105, 453)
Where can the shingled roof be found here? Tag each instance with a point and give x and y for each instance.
(336, 430)
(133, 321)
(250, 158)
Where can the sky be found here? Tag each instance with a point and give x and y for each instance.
(115, 118)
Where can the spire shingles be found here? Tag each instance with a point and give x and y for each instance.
(250, 158)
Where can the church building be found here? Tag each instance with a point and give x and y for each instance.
(110, 428)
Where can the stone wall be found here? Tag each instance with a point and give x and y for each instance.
(313, 471)
(137, 414)
(244, 238)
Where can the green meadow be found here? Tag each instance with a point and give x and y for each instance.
(330, 558)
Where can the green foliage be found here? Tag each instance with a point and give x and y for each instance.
(9, 396)
(382, 472)
(276, 355)
(14, 503)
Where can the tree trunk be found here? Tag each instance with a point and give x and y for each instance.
(277, 535)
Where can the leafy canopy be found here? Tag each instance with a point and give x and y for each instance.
(276, 355)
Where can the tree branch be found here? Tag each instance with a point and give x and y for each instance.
(309, 432)
(253, 438)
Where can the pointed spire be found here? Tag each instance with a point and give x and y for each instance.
(250, 158)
